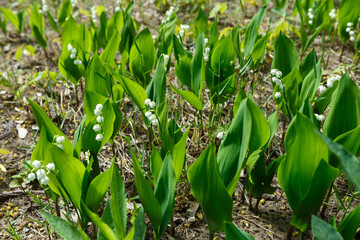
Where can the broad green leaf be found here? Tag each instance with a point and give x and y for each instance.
(140, 225)
(11, 17)
(201, 23)
(258, 52)
(285, 55)
(142, 57)
(43, 120)
(64, 11)
(190, 97)
(182, 70)
(147, 197)
(252, 31)
(179, 155)
(311, 83)
(233, 148)
(97, 190)
(107, 219)
(108, 55)
(349, 163)
(114, 25)
(197, 67)
(156, 91)
(71, 172)
(349, 141)
(118, 203)
(214, 33)
(350, 224)
(165, 193)
(163, 115)
(91, 99)
(322, 179)
(103, 227)
(208, 188)
(155, 163)
(304, 151)
(344, 113)
(323, 231)
(233, 232)
(64, 228)
(132, 89)
(96, 77)
(52, 22)
(39, 37)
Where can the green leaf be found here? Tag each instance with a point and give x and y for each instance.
(108, 55)
(103, 227)
(165, 194)
(155, 163)
(43, 120)
(201, 23)
(11, 17)
(148, 200)
(233, 148)
(132, 89)
(311, 83)
(96, 78)
(347, 13)
(97, 190)
(179, 155)
(52, 23)
(349, 163)
(344, 113)
(118, 202)
(285, 55)
(233, 232)
(322, 179)
(197, 68)
(64, 11)
(114, 25)
(350, 224)
(140, 225)
(142, 57)
(208, 189)
(252, 31)
(304, 151)
(163, 115)
(107, 219)
(156, 91)
(71, 172)
(323, 231)
(190, 97)
(65, 229)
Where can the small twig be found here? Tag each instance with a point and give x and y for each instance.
(271, 236)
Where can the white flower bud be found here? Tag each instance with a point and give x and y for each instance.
(310, 22)
(166, 59)
(207, 50)
(99, 137)
(36, 164)
(349, 24)
(322, 89)
(155, 122)
(100, 119)
(72, 56)
(117, 9)
(220, 135)
(60, 139)
(181, 33)
(277, 95)
(148, 114)
(40, 173)
(31, 177)
(152, 104)
(44, 181)
(352, 38)
(351, 33)
(59, 145)
(147, 101)
(97, 128)
(206, 41)
(348, 29)
(50, 166)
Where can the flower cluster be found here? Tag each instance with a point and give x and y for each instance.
(311, 16)
(99, 119)
(330, 81)
(320, 117)
(44, 7)
(58, 140)
(93, 14)
(350, 30)
(332, 14)
(168, 14)
(276, 78)
(41, 172)
(149, 114)
(73, 54)
(206, 50)
(183, 28)
(74, 2)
